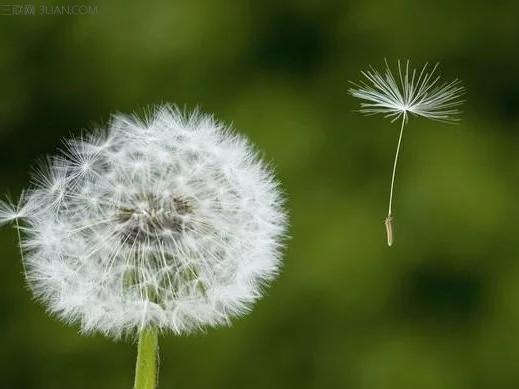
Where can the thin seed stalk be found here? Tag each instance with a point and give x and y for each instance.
(146, 369)
(389, 219)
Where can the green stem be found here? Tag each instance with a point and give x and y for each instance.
(146, 370)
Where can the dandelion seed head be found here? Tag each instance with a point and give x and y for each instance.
(8, 212)
(171, 221)
(408, 92)
(418, 92)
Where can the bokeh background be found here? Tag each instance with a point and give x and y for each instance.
(440, 309)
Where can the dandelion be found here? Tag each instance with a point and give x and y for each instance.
(165, 224)
(411, 92)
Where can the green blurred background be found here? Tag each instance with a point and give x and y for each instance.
(438, 310)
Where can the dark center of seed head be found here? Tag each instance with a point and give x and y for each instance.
(153, 219)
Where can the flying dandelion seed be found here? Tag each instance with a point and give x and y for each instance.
(411, 92)
(172, 223)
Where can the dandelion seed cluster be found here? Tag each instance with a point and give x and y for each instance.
(170, 222)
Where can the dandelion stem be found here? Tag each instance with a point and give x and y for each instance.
(146, 369)
(389, 218)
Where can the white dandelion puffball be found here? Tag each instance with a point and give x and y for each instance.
(171, 222)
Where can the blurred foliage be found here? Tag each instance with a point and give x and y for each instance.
(438, 310)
